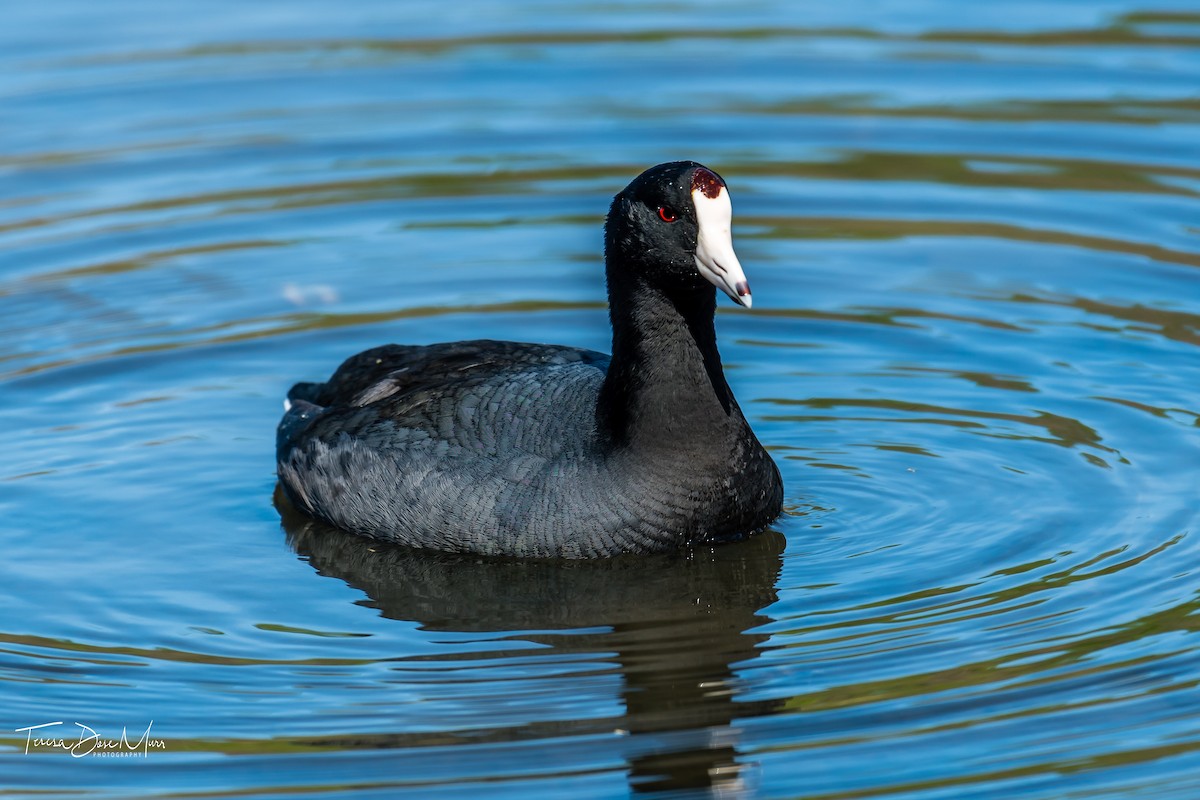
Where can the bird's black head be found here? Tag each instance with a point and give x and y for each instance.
(670, 228)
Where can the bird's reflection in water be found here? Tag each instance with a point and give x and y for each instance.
(677, 628)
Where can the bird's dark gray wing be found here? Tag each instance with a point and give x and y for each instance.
(395, 368)
(479, 438)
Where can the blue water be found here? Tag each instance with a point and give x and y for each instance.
(973, 232)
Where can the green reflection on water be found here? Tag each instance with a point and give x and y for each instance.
(277, 628)
(149, 259)
(1063, 431)
(873, 229)
(976, 169)
(1179, 326)
(1123, 110)
(283, 325)
(1122, 31)
(84, 653)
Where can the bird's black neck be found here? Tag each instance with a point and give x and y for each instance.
(665, 383)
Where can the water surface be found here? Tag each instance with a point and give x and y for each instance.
(974, 239)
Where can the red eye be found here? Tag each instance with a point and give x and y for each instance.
(667, 214)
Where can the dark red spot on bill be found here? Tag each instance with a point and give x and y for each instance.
(708, 182)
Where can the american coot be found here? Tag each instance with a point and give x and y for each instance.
(542, 450)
